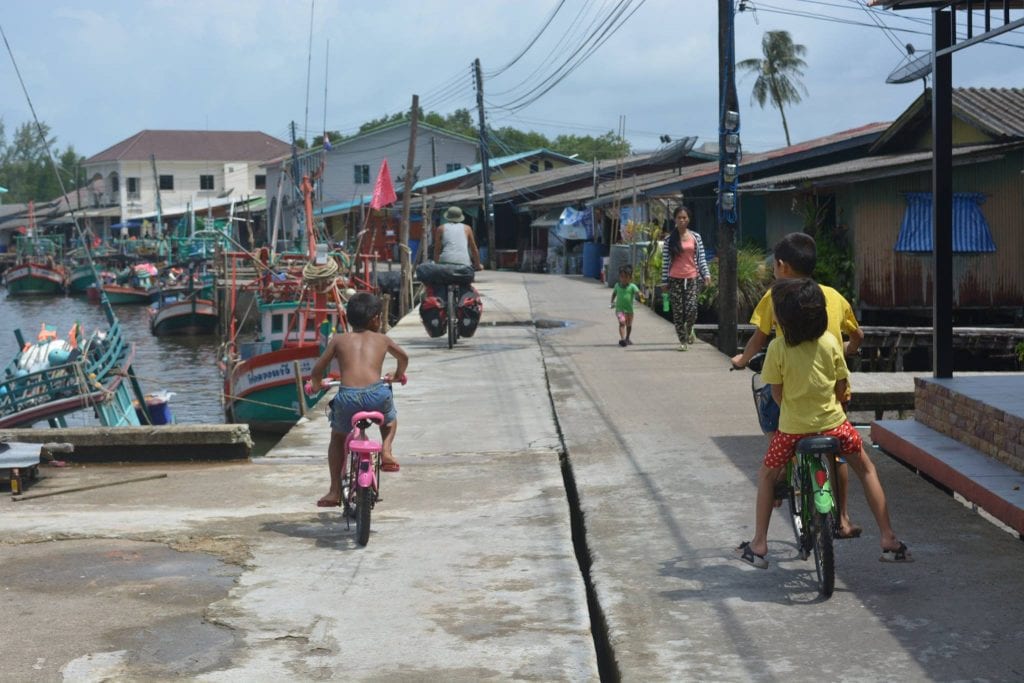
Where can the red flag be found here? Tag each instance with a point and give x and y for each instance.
(383, 190)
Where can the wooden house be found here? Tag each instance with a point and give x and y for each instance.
(882, 203)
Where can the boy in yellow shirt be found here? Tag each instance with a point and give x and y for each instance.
(808, 375)
(795, 256)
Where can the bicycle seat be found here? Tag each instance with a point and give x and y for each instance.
(818, 444)
(363, 418)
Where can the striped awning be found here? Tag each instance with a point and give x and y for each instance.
(970, 229)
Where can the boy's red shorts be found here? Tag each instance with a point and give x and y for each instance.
(782, 445)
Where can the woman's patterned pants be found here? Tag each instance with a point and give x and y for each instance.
(682, 294)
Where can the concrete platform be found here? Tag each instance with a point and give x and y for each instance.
(140, 444)
(991, 485)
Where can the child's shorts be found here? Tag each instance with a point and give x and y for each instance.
(783, 446)
(351, 400)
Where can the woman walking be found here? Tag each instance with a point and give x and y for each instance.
(684, 270)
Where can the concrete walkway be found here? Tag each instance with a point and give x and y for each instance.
(470, 573)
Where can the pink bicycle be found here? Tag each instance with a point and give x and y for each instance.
(360, 486)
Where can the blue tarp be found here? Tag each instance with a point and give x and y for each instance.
(575, 225)
(970, 229)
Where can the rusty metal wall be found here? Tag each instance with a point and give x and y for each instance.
(873, 210)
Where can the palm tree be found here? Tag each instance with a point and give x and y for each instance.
(778, 73)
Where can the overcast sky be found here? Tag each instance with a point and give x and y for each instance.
(101, 71)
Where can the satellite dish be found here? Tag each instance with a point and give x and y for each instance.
(913, 68)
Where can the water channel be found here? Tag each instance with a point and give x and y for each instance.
(186, 366)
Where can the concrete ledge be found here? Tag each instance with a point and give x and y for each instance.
(166, 442)
(989, 484)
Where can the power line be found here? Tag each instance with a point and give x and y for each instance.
(611, 25)
(530, 44)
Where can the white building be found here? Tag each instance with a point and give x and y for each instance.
(205, 168)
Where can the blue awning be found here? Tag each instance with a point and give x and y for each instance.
(970, 229)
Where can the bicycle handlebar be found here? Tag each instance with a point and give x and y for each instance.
(330, 384)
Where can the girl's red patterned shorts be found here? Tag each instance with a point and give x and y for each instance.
(782, 446)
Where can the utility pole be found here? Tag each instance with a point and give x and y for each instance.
(728, 197)
(405, 291)
(485, 165)
(159, 208)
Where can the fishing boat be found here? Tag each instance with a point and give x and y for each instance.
(130, 286)
(184, 311)
(300, 306)
(37, 268)
(51, 378)
(80, 272)
(80, 278)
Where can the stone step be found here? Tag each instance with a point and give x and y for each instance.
(982, 480)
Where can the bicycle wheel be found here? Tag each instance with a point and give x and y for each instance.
(364, 501)
(348, 486)
(795, 501)
(452, 323)
(824, 555)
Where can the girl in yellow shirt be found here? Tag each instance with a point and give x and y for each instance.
(808, 374)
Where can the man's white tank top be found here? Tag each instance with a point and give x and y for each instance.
(454, 245)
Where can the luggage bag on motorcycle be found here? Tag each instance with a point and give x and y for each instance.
(469, 310)
(433, 310)
(444, 274)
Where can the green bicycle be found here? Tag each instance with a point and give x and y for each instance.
(806, 486)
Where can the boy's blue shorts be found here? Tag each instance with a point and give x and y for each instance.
(351, 400)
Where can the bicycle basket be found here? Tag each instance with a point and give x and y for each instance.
(767, 409)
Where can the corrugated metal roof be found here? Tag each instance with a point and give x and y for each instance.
(494, 163)
(874, 167)
(999, 111)
(193, 145)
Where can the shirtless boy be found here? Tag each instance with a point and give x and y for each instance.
(360, 356)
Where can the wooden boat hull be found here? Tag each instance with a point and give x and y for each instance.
(191, 317)
(34, 278)
(262, 391)
(119, 294)
(80, 280)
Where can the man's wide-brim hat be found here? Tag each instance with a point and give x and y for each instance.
(453, 214)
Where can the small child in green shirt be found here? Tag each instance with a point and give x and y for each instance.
(623, 294)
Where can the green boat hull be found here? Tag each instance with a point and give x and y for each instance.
(31, 285)
(270, 410)
(81, 281)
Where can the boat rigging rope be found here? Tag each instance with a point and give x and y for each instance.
(319, 277)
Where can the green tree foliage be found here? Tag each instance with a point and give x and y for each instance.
(778, 73)
(25, 168)
(509, 140)
(607, 146)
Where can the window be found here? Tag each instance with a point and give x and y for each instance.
(533, 167)
(133, 187)
(448, 168)
(205, 182)
(548, 165)
(261, 182)
(166, 182)
(115, 186)
(276, 323)
(362, 174)
(970, 229)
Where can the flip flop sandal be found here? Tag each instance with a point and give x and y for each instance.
(855, 532)
(748, 556)
(901, 554)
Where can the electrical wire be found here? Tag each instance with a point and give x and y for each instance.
(610, 26)
(772, 9)
(544, 27)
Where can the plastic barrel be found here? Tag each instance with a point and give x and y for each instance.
(592, 260)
